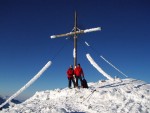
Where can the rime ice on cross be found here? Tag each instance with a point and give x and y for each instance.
(74, 33)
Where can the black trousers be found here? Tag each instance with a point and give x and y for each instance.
(69, 82)
(78, 78)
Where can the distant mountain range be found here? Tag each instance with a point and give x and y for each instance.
(7, 105)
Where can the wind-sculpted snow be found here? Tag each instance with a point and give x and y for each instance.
(120, 96)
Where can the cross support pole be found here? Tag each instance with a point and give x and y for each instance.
(74, 33)
(75, 40)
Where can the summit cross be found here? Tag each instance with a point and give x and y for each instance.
(74, 33)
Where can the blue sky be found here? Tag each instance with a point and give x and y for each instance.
(25, 46)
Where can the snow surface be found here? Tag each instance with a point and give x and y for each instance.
(106, 96)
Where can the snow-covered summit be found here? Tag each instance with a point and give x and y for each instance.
(126, 96)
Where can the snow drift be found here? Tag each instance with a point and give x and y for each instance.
(128, 96)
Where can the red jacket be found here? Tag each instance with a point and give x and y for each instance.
(70, 72)
(78, 71)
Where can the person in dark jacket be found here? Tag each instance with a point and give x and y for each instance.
(78, 74)
(70, 73)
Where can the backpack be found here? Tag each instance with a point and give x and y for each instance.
(84, 83)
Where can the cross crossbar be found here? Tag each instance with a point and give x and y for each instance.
(77, 32)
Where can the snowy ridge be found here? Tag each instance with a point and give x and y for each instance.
(126, 96)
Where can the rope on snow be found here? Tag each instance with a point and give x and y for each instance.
(88, 97)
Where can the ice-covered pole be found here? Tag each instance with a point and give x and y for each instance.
(28, 84)
(92, 30)
(98, 67)
(87, 44)
(113, 66)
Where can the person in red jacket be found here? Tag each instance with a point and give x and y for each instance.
(78, 74)
(70, 73)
